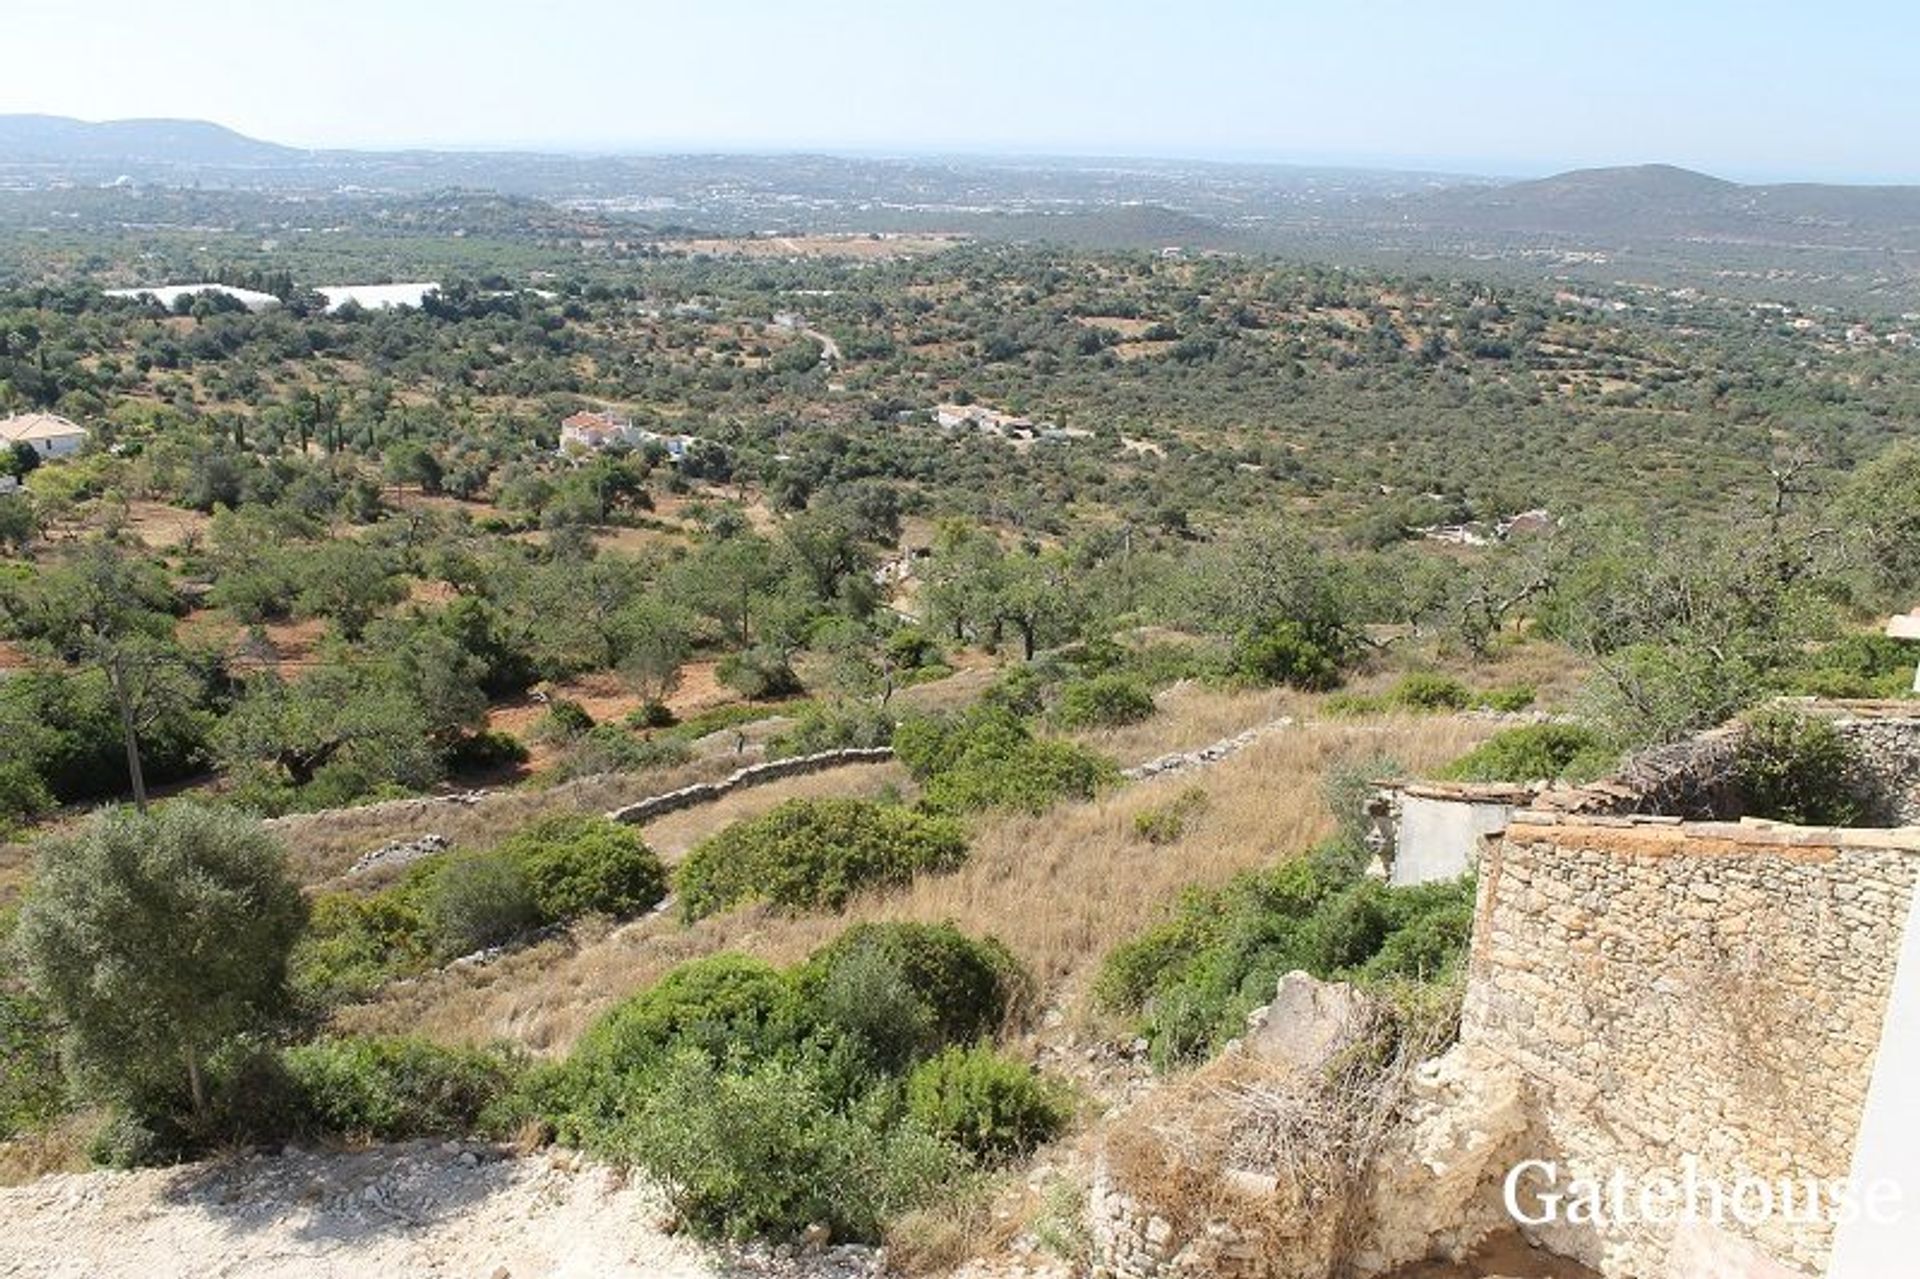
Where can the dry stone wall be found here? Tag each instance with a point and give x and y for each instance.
(1667, 990)
(674, 801)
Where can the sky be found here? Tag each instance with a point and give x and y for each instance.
(1760, 90)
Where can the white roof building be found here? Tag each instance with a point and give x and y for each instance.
(48, 434)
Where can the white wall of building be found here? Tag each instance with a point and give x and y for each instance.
(1440, 838)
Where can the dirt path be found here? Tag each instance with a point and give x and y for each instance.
(416, 1209)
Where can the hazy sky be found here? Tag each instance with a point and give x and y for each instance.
(1760, 89)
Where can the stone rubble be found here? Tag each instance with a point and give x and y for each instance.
(400, 852)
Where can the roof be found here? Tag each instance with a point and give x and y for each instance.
(27, 427)
(588, 420)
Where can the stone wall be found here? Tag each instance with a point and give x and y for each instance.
(772, 770)
(1666, 990)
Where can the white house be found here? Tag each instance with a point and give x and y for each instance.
(590, 432)
(48, 434)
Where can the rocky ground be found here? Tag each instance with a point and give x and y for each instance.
(422, 1208)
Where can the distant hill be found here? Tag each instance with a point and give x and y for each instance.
(1660, 201)
(59, 140)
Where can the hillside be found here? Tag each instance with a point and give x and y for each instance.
(51, 139)
(1659, 200)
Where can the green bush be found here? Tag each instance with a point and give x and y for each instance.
(1425, 691)
(824, 728)
(23, 796)
(1194, 978)
(652, 713)
(1508, 698)
(1535, 752)
(1798, 768)
(477, 900)
(1285, 653)
(1104, 701)
(32, 1089)
(565, 720)
(609, 748)
(576, 864)
(757, 674)
(485, 750)
(719, 1006)
(966, 987)
(390, 1089)
(988, 759)
(816, 854)
(766, 1149)
(1856, 665)
(354, 945)
(991, 1106)
(1165, 823)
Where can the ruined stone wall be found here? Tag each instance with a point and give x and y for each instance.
(1664, 990)
(1889, 746)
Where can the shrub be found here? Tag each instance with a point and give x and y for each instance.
(485, 750)
(815, 854)
(720, 1005)
(652, 713)
(565, 720)
(1165, 823)
(477, 900)
(988, 758)
(757, 674)
(824, 728)
(23, 796)
(608, 748)
(765, 1150)
(967, 986)
(1105, 701)
(32, 1090)
(1508, 698)
(393, 1088)
(1285, 653)
(1797, 768)
(1535, 752)
(992, 1107)
(353, 946)
(576, 864)
(1194, 977)
(1425, 691)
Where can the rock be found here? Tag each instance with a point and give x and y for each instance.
(1308, 1021)
(501, 1272)
(400, 852)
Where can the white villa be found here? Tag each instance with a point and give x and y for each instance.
(48, 434)
(590, 432)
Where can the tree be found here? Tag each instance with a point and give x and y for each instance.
(1881, 511)
(19, 524)
(19, 459)
(155, 938)
(655, 641)
(105, 610)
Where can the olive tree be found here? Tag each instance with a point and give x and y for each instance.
(156, 937)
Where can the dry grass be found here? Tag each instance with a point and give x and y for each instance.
(1190, 715)
(60, 1147)
(1060, 890)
